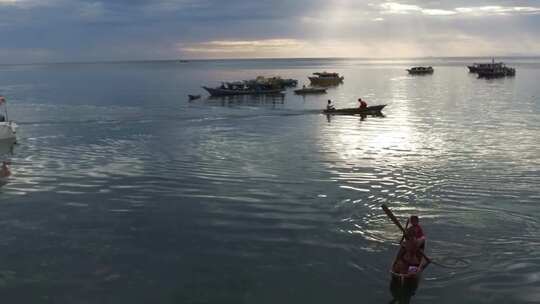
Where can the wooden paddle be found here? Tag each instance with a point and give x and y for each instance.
(394, 219)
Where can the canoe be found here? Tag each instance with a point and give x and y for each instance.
(372, 110)
(230, 92)
(404, 285)
(310, 91)
(193, 97)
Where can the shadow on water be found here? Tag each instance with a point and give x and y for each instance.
(402, 291)
(6, 149)
(248, 99)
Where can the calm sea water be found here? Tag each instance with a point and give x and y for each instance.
(125, 192)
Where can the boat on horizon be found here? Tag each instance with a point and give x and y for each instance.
(420, 70)
(492, 69)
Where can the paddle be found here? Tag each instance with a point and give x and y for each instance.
(394, 219)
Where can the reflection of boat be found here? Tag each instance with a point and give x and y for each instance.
(230, 92)
(193, 97)
(326, 79)
(5, 173)
(7, 128)
(420, 70)
(372, 110)
(304, 91)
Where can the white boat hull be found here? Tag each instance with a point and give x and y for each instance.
(7, 130)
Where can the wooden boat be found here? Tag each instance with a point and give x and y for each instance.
(372, 110)
(403, 286)
(304, 91)
(232, 92)
(420, 70)
(193, 97)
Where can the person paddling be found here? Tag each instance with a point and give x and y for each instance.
(410, 258)
(362, 103)
(330, 106)
(417, 231)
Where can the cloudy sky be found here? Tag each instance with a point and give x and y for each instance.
(89, 30)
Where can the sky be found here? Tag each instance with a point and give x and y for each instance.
(93, 30)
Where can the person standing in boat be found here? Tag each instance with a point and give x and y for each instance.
(363, 104)
(330, 106)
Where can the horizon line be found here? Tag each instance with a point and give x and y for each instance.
(181, 60)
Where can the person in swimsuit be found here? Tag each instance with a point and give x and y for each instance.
(410, 259)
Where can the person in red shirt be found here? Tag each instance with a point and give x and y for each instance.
(363, 104)
(417, 230)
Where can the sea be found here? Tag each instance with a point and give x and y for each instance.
(124, 191)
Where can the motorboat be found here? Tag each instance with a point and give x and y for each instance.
(326, 79)
(492, 69)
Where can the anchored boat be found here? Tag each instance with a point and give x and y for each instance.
(326, 79)
(492, 69)
(420, 70)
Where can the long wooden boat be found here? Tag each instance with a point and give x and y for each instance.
(372, 110)
(403, 286)
(232, 92)
(304, 91)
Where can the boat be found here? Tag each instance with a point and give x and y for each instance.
(193, 97)
(304, 91)
(403, 286)
(251, 87)
(420, 70)
(496, 71)
(478, 66)
(371, 110)
(492, 69)
(274, 82)
(7, 128)
(326, 79)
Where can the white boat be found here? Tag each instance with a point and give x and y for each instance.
(7, 128)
